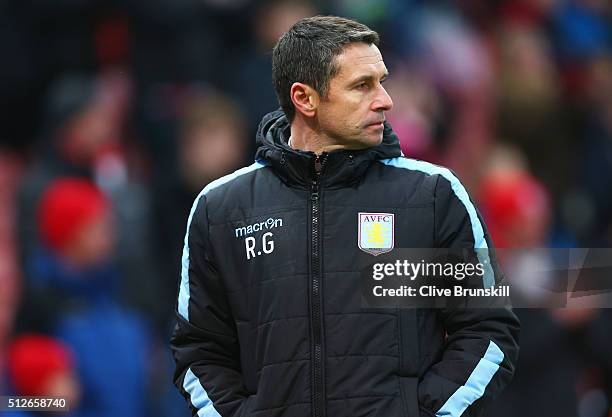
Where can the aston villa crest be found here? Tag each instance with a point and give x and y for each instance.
(376, 233)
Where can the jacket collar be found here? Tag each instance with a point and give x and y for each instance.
(295, 167)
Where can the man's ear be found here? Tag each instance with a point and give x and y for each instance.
(305, 99)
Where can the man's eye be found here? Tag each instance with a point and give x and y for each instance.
(361, 86)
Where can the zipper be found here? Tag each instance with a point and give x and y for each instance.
(318, 388)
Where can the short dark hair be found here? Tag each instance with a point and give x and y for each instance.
(306, 53)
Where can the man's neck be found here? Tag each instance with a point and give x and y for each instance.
(305, 138)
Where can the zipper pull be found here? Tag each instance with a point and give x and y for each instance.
(314, 195)
(318, 165)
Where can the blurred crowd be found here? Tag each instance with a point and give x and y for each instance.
(114, 114)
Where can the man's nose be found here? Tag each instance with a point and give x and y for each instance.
(383, 101)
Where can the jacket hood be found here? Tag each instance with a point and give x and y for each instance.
(341, 167)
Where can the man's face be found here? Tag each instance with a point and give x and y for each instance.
(352, 113)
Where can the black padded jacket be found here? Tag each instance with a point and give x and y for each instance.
(269, 315)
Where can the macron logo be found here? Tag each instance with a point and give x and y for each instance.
(256, 227)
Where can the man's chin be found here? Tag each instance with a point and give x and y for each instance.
(371, 141)
(363, 141)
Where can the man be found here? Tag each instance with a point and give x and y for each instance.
(269, 309)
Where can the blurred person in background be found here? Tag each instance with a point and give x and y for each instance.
(564, 366)
(42, 366)
(72, 294)
(76, 131)
(531, 114)
(83, 136)
(212, 142)
(513, 198)
(212, 138)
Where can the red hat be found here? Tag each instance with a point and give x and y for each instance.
(34, 359)
(512, 199)
(66, 206)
